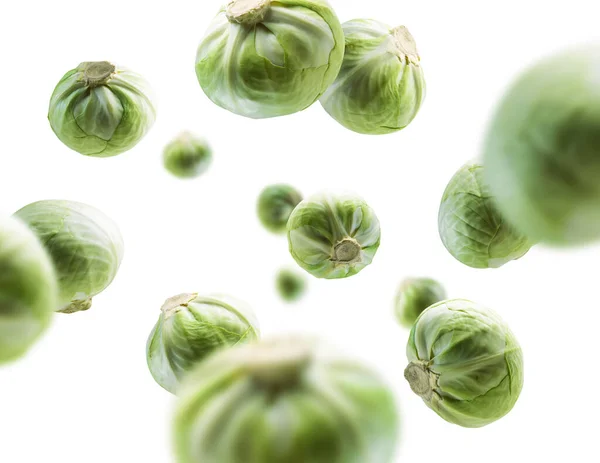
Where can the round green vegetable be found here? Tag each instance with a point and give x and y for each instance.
(263, 58)
(465, 363)
(281, 401)
(542, 150)
(275, 204)
(191, 327)
(291, 286)
(471, 226)
(28, 289)
(86, 248)
(100, 109)
(187, 156)
(414, 296)
(333, 236)
(381, 85)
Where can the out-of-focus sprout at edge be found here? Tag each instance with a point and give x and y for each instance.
(290, 284)
(191, 327)
(85, 245)
(187, 156)
(464, 362)
(413, 296)
(275, 204)
(28, 289)
(231, 405)
(333, 236)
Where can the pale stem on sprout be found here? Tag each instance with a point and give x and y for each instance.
(405, 45)
(247, 12)
(347, 251)
(98, 73)
(421, 380)
(77, 306)
(174, 304)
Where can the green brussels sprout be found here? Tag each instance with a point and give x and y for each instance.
(281, 401)
(465, 363)
(471, 226)
(414, 296)
(187, 156)
(86, 248)
(191, 327)
(542, 149)
(275, 204)
(291, 286)
(101, 110)
(381, 85)
(263, 58)
(28, 289)
(333, 236)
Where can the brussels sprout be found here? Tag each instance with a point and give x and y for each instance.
(542, 150)
(333, 236)
(281, 401)
(291, 286)
(187, 156)
(262, 58)
(465, 363)
(189, 328)
(414, 296)
(381, 85)
(101, 110)
(84, 244)
(275, 204)
(470, 225)
(28, 290)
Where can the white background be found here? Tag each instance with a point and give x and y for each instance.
(84, 394)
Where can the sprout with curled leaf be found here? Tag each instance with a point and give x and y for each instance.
(263, 58)
(414, 296)
(381, 85)
(471, 226)
(333, 236)
(191, 327)
(187, 156)
(284, 400)
(275, 204)
(86, 248)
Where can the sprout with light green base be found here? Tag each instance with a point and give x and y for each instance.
(333, 236)
(290, 285)
(86, 248)
(99, 109)
(191, 327)
(414, 296)
(187, 156)
(263, 58)
(471, 226)
(28, 289)
(381, 85)
(275, 204)
(465, 363)
(281, 401)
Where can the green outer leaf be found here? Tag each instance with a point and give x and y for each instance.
(86, 247)
(275, 204)
(319, 223)
(101, 121)
(376, 91)
(333, 411)
(187, 156)
(414, 296)
(28, 289)
(542, 149)
(470, 224)
(476, 358)
(279, 66)
(198, 328)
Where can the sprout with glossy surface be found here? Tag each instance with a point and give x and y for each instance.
(381, 85)
(28, 289)
(465, 363)
(191, 327)
(86, 248)
(542, 150)
(275, 204)
(284, 400)
(414, 296)
(290, 285)
(471, 226)
(333, 236)
(187, 156)
(263, 58)
(100, 109)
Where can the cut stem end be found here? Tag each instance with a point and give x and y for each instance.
(77, 306)
(405, 45)
(172, 305)
(420, 380)
(347, 251)
(98, 73)
(247, 12)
